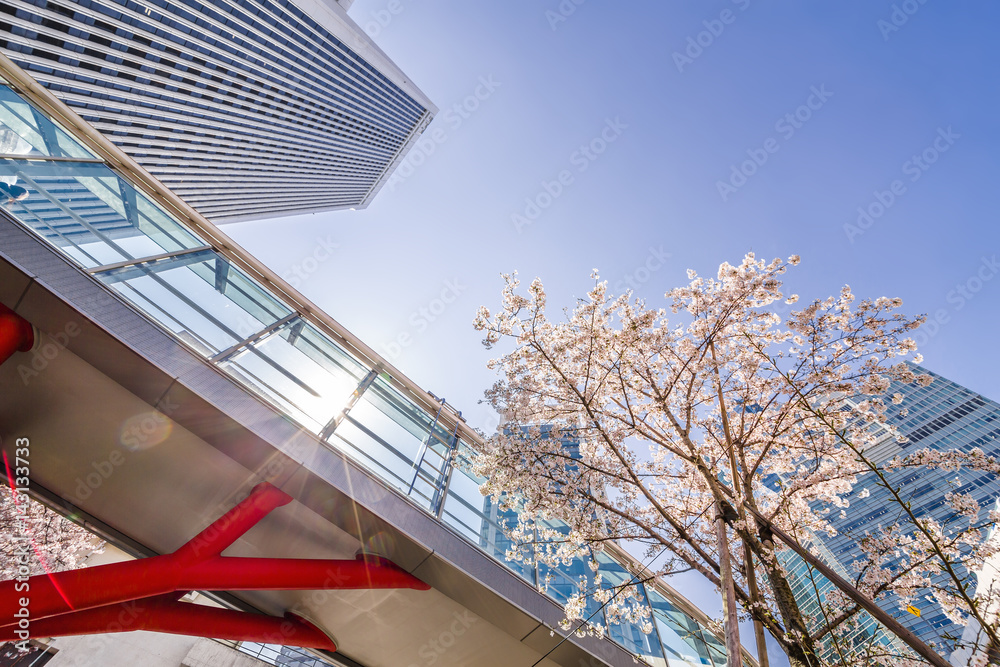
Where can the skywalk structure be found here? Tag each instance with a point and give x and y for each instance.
(171, 373)
(247, 109)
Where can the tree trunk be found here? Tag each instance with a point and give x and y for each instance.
(801, 651)
(758, 627)
(734, 653)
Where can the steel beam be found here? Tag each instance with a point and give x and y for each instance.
(16, 333)
(164, 614)
(197, 565)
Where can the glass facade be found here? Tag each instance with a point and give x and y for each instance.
(245, 108)
(861, 636)
(941, 416)
(281, 656)
(124, 239)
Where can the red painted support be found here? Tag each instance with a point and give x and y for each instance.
(295, 574)
(197, 566)
(165, 614)
(119, 582)
(230, 526)
(16, 334)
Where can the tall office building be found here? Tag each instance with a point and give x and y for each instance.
(941, 416)
(247, 109)
(976, 646)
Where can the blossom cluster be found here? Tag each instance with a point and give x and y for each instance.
(57, 543)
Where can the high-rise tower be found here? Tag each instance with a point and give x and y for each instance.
(942, 416)
(246, 109)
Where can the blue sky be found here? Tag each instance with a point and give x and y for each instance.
(887, 107)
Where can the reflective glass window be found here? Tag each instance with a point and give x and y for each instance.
(396, 439)
(480, 520)
(564, 580)
(300, 370)
(182, 294)
(681, 637)
(615, 575)
(95, 216)
(25, 131)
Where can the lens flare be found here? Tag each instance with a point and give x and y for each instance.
(144, 430)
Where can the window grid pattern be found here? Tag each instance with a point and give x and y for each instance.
(941, 416)
(809, 587)
(133, 246)
(244, 108)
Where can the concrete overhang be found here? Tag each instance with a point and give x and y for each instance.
(134, 432)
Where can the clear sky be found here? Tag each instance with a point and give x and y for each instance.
(646, 138)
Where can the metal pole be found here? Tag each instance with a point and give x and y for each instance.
(419, 460)
(734, 653)
(437, 503)
(335, 422)
(197, 565)
(164, 615)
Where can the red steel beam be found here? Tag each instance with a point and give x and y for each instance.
(86, 588)
(295, 574)
(233, 524)
(16, 334)
(197, 566)
(164, 614)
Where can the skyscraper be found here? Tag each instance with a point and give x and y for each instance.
(247, 109)
(941, 416)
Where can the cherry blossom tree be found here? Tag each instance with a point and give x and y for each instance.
(714, 433)
(33, 534)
